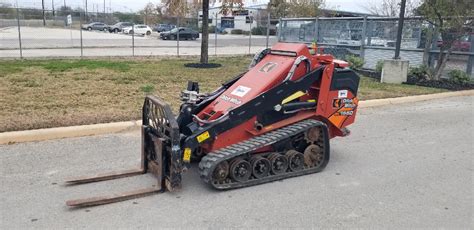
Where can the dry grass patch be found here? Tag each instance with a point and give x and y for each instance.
(51, 93)
(41, 94)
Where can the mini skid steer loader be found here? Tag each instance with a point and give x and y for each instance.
(270, 123)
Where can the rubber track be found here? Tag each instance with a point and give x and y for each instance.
(211, 160)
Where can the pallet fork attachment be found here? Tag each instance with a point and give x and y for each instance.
(160, 155)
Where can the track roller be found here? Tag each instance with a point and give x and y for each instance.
(279, 163)
(240, 169)
(260, 166)
(295, 160)
(313, 156)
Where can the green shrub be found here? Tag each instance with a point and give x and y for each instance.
(211, 29)
(245, 32)
(355, 62)
(260, 30)
(421, 72)
(379, 66)
(458, 76)
(236, 31)
(273, 31)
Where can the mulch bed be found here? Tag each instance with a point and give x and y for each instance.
(202, 65)
(441, 84)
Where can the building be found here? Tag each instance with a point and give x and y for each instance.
(245, 18)
(254, 13)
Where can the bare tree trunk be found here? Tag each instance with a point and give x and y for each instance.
(441, 55)
(444, 52)
(441, 63)
(205, 32)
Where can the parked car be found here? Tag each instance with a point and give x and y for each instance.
(463, 44)
(184, 33)
(138, 29)
(95, 26)
(118, 27)
(164, 27)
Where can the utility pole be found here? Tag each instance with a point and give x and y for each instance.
(52, 6)
(64, 4)
(44, 17)
(86, 12)
(104, 8)
(400, 29)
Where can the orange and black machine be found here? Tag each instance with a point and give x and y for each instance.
(272, 122)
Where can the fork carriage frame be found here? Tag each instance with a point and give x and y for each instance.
(160, 156)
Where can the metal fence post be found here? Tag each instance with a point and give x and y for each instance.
(427, 45)
(80, 31)
(316, 29)
(44, 16)
(19, 31)
(434, 46)
(279, 29)
(133, 39)
(215, 36)
(177, 37)
(470, 60)
(368, 32)
(250, 35)
(362, 39)
(268, 29)
(420, 32)
(401, 20)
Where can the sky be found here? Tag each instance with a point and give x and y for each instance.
(135, 5)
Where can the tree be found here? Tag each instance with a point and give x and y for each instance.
(391, 8)
(193, 8)
(128, 17)
(7, 10)
(450, 21)
(295, 8)
(151, 14)
(227, 6)
(205, 33)
(278, 8)
(176, 8)
(304, 8)
(181, 8)
(64, 10)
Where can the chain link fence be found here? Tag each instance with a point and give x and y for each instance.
(374, 39)
(30, 33)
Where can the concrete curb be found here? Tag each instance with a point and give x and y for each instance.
(411, 99)
(66, 132)
(98, 129)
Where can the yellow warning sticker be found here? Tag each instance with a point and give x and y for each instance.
(187, 155)
(203, 136)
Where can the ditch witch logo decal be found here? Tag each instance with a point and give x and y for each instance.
(231, 100)
(345, 108)
(346, 103)
(269, 66)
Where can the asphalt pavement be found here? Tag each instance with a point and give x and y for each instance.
(403, 166)
(58, 42)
